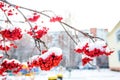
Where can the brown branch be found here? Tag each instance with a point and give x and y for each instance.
(62, 23)
(8, 20)
(43, 43)
(37, 44)
(96, 66)
(13, 21)
(5, 1)
(78, 40)
(85, 34)
(8, 56)
(68, 34)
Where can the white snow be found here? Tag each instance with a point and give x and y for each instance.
(1, 55)
(55, 50)
(92, 45)
(81, 44)
(103, 74)
(9, 61)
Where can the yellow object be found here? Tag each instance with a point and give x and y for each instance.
(24, 66)
(29, 74)
(52, 78)
(59, 75)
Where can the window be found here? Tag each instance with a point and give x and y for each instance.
(118, 35)
(119, 55)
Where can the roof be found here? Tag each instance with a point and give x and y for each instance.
(114, 29)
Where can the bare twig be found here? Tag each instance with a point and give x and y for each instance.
(37, 43)
(13, 21)
(96, 66)
(43, 43)
(8, 56)
(63, 24)
(68, 34)
(8, 20)
(78, 40)
(85, 34)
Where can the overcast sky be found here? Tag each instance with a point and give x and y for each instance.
(84, 13)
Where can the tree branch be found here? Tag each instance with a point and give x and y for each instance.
(85, 34)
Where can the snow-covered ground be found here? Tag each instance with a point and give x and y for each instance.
(103, 74)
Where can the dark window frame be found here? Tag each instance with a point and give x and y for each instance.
(118, 35)
(119, 55)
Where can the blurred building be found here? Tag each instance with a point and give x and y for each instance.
(114, 43)
(101, 61)
(70, 58)
(62, 40)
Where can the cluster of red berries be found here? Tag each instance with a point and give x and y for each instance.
(92, 50)
(8, 9)
(12, 35)
(37, 33)
(11, 65)
(34, 18)
(45, 61)
(4, 48)
(56, 19)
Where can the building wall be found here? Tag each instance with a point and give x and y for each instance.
(114, 44)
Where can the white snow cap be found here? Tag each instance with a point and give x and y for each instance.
(108, 49)
(35, 57)
(81, 45)
(15, 61)
(55, 50)
(92, 45)
(5, 43)
(1, 55)
(98, 45)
